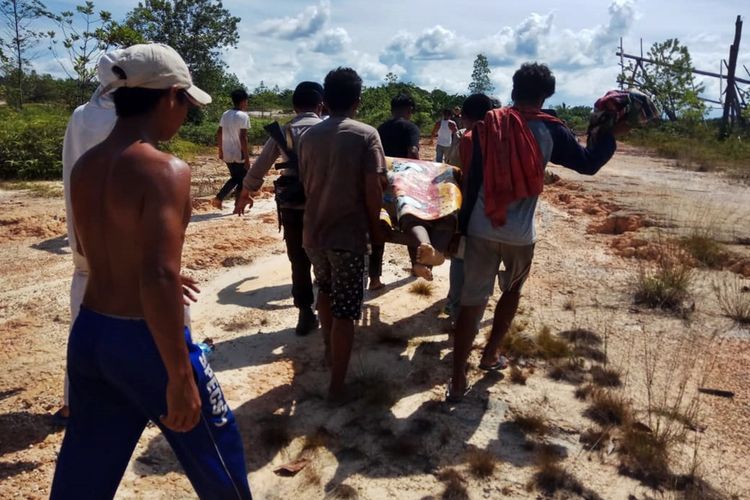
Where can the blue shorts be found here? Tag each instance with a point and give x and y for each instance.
(117, 384)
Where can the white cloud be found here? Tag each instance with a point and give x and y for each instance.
(332, 41)
(307, 23)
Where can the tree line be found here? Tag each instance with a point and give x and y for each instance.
(201, 29)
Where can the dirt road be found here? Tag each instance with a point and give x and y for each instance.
(398, 438)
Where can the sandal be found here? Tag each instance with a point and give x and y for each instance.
(452, 397)
(501, 364)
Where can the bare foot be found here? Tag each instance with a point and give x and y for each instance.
(375, 284)
(216, 203)
(427, 255)
(421, 271)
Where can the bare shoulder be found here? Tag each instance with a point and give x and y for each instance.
(151, 164)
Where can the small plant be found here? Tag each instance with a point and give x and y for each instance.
(605, 377)
(531, 423)
(455, 485)
(706, 249)
(517, 376)
(644, 456)
(608, 408)
(590, 352)
(343, 492)
(377, 390)
(422, 288)
(482, 463)
(665, 286)
(594, 439)
(584, 391)
(569, 304)
(551, 347)
(582, 336)
(518, 344)
(734, 300)
(570, 370)
(551, 477)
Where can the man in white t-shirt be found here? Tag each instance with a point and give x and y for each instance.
(89, 125)
(444, 129)
(231, 138)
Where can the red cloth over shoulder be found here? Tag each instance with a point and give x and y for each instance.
(512, 160)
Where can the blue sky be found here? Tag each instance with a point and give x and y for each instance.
(433, 43)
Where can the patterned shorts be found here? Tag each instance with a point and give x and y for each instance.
(340, 275)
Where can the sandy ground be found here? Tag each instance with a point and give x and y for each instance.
(398, 439)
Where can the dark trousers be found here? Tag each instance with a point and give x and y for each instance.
(302, 287)
(237, 174)
(375, 264)
(117, 385)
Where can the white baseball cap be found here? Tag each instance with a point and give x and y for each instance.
(149, 66)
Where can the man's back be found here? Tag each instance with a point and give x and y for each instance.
(398, 136)
(335, 155)
(231, 122)
(124, 195)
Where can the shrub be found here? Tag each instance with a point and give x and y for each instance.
(706, 250)
(734, 300)
(31, 142)
(666, 285)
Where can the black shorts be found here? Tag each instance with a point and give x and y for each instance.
(340, 275)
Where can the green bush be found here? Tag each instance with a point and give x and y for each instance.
(31, 141)
(697, 145)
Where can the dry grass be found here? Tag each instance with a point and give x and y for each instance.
(608, 408)
(310, 475)
(584, 391)
(455, 485)
(517, 376)
(39, 189)
(734, 300)
(552, 478)
(482, 463)
(550, 346)
(666, 285)
(321, 438)
(570, 370)
(644, 456)
(422, 288)
(518, 344)
(581, 336)
(531, 423)
(604, 376)
(705, 249)
(593, 439)
(377, 390)
(343, 492)
(590, 352)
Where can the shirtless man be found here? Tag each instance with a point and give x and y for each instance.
(130, 360)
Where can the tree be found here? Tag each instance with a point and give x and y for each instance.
(18, 37)
(86, 35)
(480, 77)
(197, 29)
(668, 79)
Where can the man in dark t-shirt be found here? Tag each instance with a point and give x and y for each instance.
(400, 139)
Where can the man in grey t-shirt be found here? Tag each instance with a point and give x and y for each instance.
(340, 161)
(512, 242)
